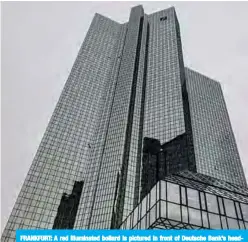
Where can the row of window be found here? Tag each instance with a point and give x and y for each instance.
(190, 206)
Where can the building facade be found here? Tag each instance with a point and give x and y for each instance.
(132, 119)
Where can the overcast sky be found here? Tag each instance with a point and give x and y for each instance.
(40, 41)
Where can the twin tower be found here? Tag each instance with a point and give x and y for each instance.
(136, 140)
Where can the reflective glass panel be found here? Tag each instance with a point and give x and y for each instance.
(193, 198)
(152, 215)
(163, 190)
(143, 207)
(135, 215)
(238, 210)
(143, 223)
(244, 208)
(195, 217)
(148, 201)
(173, 192)
(183, 196)
(212, 203)
(205, 220)
(221, 205)
(185, 214)
(232, 223)
(128, 222)
(174, 211)
(223, 221)
(158, 210)
(246, 225)
(241, 224)
(229, 207)
(214, 221)
(153, 196)
(163, 209)
(203, 205)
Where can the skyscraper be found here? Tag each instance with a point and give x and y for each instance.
(136, 140)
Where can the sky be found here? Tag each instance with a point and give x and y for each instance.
(40, 41)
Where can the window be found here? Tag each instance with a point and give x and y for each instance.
(174, 212)
(195, 217)
(244, 208)
(230, 210)
(135, 216)
(193, 198)
(184, 214)
(163, 18)
(173, 192)
(163, 190)
(232, 223)
(153, 215)
(214, 221)
(212, 203)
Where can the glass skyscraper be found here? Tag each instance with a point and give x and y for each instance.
(136, 140)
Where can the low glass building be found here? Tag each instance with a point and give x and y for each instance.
(191, 201)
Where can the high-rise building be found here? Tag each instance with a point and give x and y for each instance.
(136, 140)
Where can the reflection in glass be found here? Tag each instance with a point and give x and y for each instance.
(223, 221)
(205, 220)
(183, 195)
(174, 211)
(158, 191)
(152, 215)
(143, 207)
(143, 223)
(185, 214)
(163, 209)
(229, 206)
(195, 217)
(128, 222)
(163, 190)
(214, 221)
(203, 205)
(153, 196)
(241, 224)
(173, 192)
(244, 208)
(238, 210)
(232, 223)
(158, 210)
(193, 198)
(148, 201)
(212, 203)
(135, 215)
(221, 205)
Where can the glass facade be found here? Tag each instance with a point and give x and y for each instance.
(164, 114)
(214, 143)
(178, 202)
(75, 132)
(135, 137)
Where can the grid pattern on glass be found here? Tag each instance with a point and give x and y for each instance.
(68, 207)
(214, 142)
(186, 209)
(91, 182)
(62, 156)
(113, 156)
(208, 184)
(136, 136)
(164, 117)
(159, 161)
(213, 181)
